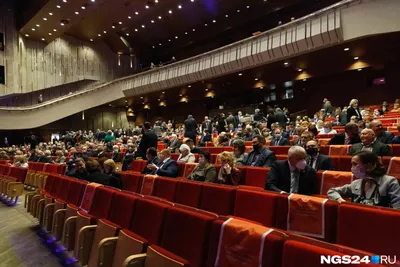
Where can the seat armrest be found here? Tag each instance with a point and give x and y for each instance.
(106, 251)
(68, 236)
(85, 242)
(137, 260)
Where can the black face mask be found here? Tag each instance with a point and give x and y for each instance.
(312, 151)
(257, 147)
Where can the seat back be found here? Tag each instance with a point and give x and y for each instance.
(355, 221)
(218, 198)
(344, 163)
(264, 214)
(122, 209)
(138, 165)
(280, 150)
(64, 189)
(256, 176)
(131, 181)
(18, 173)
(102, 201)
(186, 234)
(189, 167)
(165, 188)
(329, 179)
(394, 167)
(51, 168)
(61, 168)
(49, 182)
(181, 169)
(56, 186)
(339, 150)
(75, 192)
(188, 193)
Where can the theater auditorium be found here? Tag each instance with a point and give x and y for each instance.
(199, 133)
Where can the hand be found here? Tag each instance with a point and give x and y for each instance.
(341, 200)
(152, 166)
(227, 169)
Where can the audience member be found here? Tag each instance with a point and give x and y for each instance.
(349, 137)
(395, 140)
(206, 125)
(292, 175)
(116, 156)
(396, 107)
(190, 128)
(373, 187)
(278, 139)
(60, 157)
(166, 167)
(149, 139)
(353, 110)
(20, 161)
(227, 174)
(193, 149)
(4, 156)
(78, 169)
(186, 156)
(304, 138)
(313, 130)
(45, 157)
(109, 137)
(204, 171)
(110, 168)
(369, 143)
(315, 159)
(151, 156)
(128, 158)
(327, 129)
(239, 155)
(380, 133)
(205, 137)
(260, 155)
(175, 143)
(94, 175)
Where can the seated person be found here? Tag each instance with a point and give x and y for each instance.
(4, 156)
(373, 187)
(45, 157)
(110, 168)
(222, 140)
(166, 167)
(205, 137)
(100, 152)
(327, 129)
(193, 149)
(396, 107)
(116, 156)
(380, 133)
(315, 159)
(129, 157)
(278, 139)
(185, 155)
(227, 174)
(304, 138)
(260, 155)
(313, 130)
(77, 168)
(94, 175)
(349, 137)
(151, 155)
(20, 162)
(292, 175)
(60, 157)
(239, 155)
(369, 143)
(396, 140)
(204, 171)
(175, 143)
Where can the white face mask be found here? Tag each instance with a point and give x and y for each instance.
(301, 164)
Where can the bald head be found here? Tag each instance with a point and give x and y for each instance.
(376, 126)
(367, 136)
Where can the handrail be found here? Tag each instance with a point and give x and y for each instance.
(50, 102)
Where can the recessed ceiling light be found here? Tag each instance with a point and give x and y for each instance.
(159, 99)
(129, 17)
(206, 24)
(226, 15)
(180, 95)
(54, 30)
(191, 0)
(186, 33)
(58, 7)
(109, 105)
(256, 79)
(152, 21)
(147, 7)
(93, 1)
(27, 35)
(179, 6)
(43, 39)
(214, 21)
(304, 80)
(286, 63)
(136, 13)
(99, 34)
(300, 69)
(240, 74)
(154, 46)
(170, 11)
(37, 25)
(64, 1)
(127, 106)
(120, 22)
(247, 6)
(163, 92)
(359, 69)
(91, 40)
(238, 10)
(206, 89)
(44, 18)
(189, 86)
(346, 49)
(159, 17)
(143, 103)
(176, 37)
(113, 26)
(50, 33)
(143, 26)
(126, 101)
(33, 29)
(194, 30)
(127, 34)
(83, 7)
(105, 31)
(160, 44)
(261, 87)
(62, 24)
(141, 97)
(355, 58)
(51, 14)
(76, 13)
(169, 40)
(156, 1)
(136, 30)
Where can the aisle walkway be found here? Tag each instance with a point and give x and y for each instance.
(20, 246)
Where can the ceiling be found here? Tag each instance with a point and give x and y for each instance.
(158, 29)
(373, 52)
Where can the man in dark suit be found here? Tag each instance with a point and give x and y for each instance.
(396, 140)
(349, 137)
(369, 143)
(205, 137)
(96, 176)
(260, 155)
(280, 117)
(149, 139)
(166, 167)
(129, 132)
(206, 125)
(292, 175)
(175, 143)
(152, 158)
(190, 128)
(354, 110)
(315, 159)
(380, 133)
(278, 139)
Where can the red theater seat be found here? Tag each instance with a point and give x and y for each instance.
(256, 176)
(186, 234)
(122, 209)
(264, 213)
(138, 165)
(218, 198)
(213, 158)
(280, 150)
(356, 221)
(131, 181)
(188, 193)
(242, 174)
(189, 167)
(174, 156)
(165, 188)
(329, 179)
(51, 168)
(181, 169)
(345, 163)
(396, 150)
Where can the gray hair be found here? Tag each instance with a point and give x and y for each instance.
(296, 150)
(184, 147)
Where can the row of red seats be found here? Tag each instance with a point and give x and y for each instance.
(11, 183)
(118, 224)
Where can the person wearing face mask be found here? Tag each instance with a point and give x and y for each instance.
(327, 129)
(315, 159)
(260, 155)
(204, 171)
(292, 175)
(185, 155)
(151, 156)
(278, 139)
(227, 174)
(115, 156)
(373, 187)
(239, 155)
(167, 167)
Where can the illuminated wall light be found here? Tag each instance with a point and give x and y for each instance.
(192, 1)
(62, 24)
(169, 40)
(33, 29)
(131, 64)
(64, 1)
(105, 31)
(159, 17)
(37, 25)
(240, 74)
(194, 30)
(214, 21)
(136, 30)
(226, 16)
(136, 13)
(286, 63)
(256, 79)
(152, 21)
(99, 35)
(346, 49)
(51, 14)
(304, 80)
(113, 26)
(54, 30)
(159, 44)
(43, 39)
(143, 26)
(129, 17)
(58, 7)
(170, 11)
(300, 70)
(76, 13)
(189, 86)
(238, 11)
(93, 1)
(359, 70)
(206, 24)
(176, 37)
(147, 7)
(44, 18)
(355, 58)
(119, 60)
(179, 6)
(27, 35)
(83, 115)
(120, 22)
(50, 33)
(83, 7)
(154, 46)
(186, 33)
(247, 6)
(127, 34)
(91, 40)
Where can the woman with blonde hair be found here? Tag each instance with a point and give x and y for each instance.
(20, 161)
(353, 110)
(60, 157)
(109, 168)
(228, 174)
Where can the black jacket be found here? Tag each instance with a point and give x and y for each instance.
(149, 139)
(281, 118)
(204, 126)
(175, 145)
(386, 138)
(323, 162)
(265, 158)
(282, 142)
(190, 129)
(169, 169)
(101, 178)
(146, 170)
(377, 148)
(339, 139)
(278, 179)
(352, 112)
